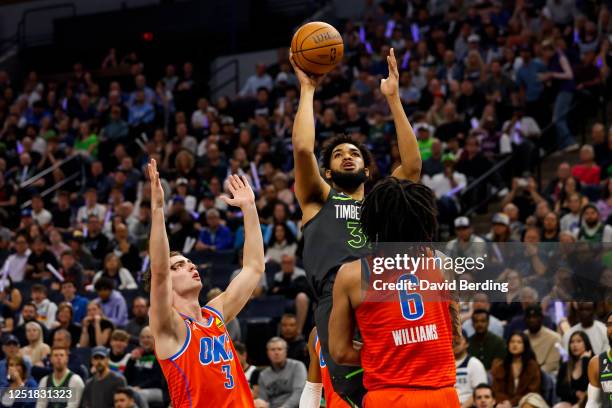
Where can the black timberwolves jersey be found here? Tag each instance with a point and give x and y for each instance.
(331, 238)
(605, 378)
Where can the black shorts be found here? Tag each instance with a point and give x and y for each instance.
(347, 380)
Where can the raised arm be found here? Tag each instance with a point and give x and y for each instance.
(311, 394)
(310, 188)
(342, 320)
(410, 155)
(239, 291)
(164, 321)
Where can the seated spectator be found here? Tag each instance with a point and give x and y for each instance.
(61, 376)
(484, 396)
(46, 310)
(587, 172)
(297, 348)
(114, 270)
(96, 329)
(95, 240)
(15, 264)
(470, 372)
(594, 329)
(592, 228)
(281, 242)
(63, 339)
(481, 301)
(116, 129)
(10, 349)
(143, 370)
(467, 243)
(501, 231)
(36, 350)
(87, 141)
(552, 192)
(65, 321)
(90, 208)
(72, 269)
(258, 80)
(434, 165)
(28, 314)
(604, 204)
(79, 303)
(518, 374)
(571, 186)
(545, 342)
(291, 283)
(485, 346)
(10, 300)
(532, 400)
(57, 245)
(141, 112)
(572, 379)
(100, 388)
(250, 371)
(571, 220)
(215, 236)
(18, 378)
(119, 355)
(528, 297)
(139, 320)
(112, 302)
(281, 384)
(125, 398)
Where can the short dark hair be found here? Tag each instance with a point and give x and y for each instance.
(30, 304)
(288, 316)
(124, 390)
(240, 347)
(104, 283)
(481, 311)
(38, 287)
(483, 386)
(342, 139)
(146, 276)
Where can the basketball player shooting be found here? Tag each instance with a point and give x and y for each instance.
(407, 352)
(192, 344)
(599, 391)
(330, 204)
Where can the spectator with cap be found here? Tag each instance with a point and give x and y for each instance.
(467, 243)
(15, 264)
(100, 388)
(544, 341)
(501, 231)
(111, 301)
(10, 349)
(469, 370)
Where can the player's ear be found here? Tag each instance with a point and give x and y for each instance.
(327, 174)
(367, 172)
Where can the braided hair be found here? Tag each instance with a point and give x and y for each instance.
(399, 211)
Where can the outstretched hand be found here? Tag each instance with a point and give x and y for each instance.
(390, 85)
(306, 80)
(242, 193)
(157, 192)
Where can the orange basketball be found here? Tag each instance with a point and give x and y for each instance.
(317, 47)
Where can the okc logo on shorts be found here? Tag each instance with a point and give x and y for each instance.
(213, 349)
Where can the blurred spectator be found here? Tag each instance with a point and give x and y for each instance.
(297, 348)
(79, 303)
(592, 228)
(118, 354)
(100, 388)
(594, 329)
(114, 271)
(36, 268)
(41, 215)
(139, 320)
(467, 243)
(64, 321)
(91, 208)
(61, 376)
(124, 398)
(518, 374)
(36, 350)
(588, 172)
(10, 349)
(291, 283)
(143, 370)
(281, 384)
(483, 345)
(215, 236)
(18, 376)
(96, 329)
(571, 220)
(111, 302)
(281, 242)
(250, 371)
(15, 264)
(95, 240)
(572, 379)
(544, 341)
(484, 396)
(63, 339)
(28, 314)
(481, 301)
(470, 372)
(258, 80)
(46, 310)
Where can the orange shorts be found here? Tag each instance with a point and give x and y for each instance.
(398, 398)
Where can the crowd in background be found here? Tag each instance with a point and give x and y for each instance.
(480, 81)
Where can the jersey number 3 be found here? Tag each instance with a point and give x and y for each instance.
(227, 370)
(410, 303)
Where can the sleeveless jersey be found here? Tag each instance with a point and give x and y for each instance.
(605, 378)
(51, 384)
(206, 372)
(332, 400)
(332, 238)
(407, 342)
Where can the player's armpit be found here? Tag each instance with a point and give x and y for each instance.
(342, 319)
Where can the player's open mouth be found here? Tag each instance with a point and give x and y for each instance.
(196, 276)
(348, 166)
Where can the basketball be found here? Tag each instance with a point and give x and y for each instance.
(317, 47)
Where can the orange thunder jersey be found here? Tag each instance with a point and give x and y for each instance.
(206, 372)
(407, 340)
(332, 400)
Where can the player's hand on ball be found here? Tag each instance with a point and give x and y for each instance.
(309, 81)
(242, 193)
(390, 85)
(157, 192)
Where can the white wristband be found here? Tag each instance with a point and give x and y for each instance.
(311, 395)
